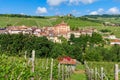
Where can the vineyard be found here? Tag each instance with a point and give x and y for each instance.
(20, 68)
(101, 70)
(42, 22)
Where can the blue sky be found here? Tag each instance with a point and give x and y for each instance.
(59, 7)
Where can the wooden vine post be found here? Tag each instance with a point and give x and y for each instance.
(116, 72)
(33, 62)
(62, 72)
(59, 71)
(25, 55)
(102, 76)
(51, 76)
(95, 74)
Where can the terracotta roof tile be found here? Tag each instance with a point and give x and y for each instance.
(67, 60)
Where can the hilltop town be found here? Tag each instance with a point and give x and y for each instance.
(52, 33)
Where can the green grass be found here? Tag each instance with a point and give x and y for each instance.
(79, 73)
(78, 77)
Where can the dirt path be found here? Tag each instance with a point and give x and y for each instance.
(79, 72)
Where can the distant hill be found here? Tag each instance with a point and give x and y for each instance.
(103, 16)
(20, 16)
(115, 19)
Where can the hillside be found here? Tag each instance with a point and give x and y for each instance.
(105, 18)
(88, 21)
(43, 21)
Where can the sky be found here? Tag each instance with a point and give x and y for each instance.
(59, 7)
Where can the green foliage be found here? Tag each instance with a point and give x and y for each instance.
(105, 30)
(103, 54)
(17, 43)
(85, 47)
(93, 54)
(96, 39)
(57, 50)
(13, 68)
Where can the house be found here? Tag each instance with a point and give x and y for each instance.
(115, 41)
(3, 31)
(37, 32)
(77, 33)
(19, 29)
(61, 29)
(112, 37)
(55, 39)
(68, 61)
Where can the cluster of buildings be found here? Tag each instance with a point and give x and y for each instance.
(53, 33)
(113, 39)
(111, 24)
(62, 29)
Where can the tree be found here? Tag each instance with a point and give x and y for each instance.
(96, 39)
(57, 51)
(93, 54)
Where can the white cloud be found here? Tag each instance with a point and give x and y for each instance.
(99, 11)
(74, 1)
(87, 1)
(58, 2)
(94, 13)
(41, 10)
(82, 1)
(113, 10)
(55, 2)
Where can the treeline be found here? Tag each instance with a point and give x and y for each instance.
(20, 16)
(103, 16)
(85, 47)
